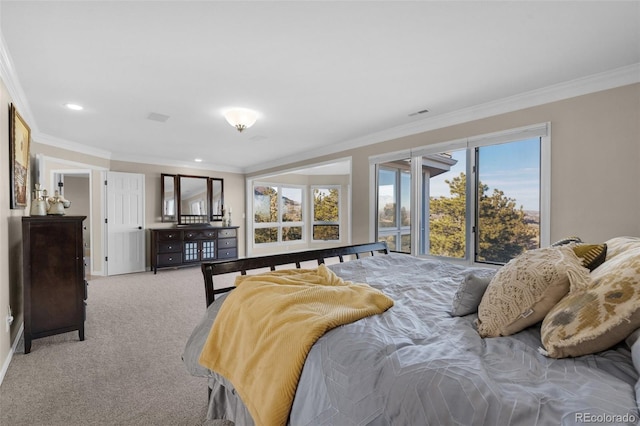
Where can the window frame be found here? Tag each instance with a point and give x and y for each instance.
(314, 222)
(279, 224)
(541, 130)
(399, 229)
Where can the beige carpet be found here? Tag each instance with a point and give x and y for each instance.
(128, 371)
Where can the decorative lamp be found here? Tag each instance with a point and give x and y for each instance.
(241, 118)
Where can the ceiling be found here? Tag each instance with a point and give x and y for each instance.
(324, 76)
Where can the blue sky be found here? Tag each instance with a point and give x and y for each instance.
(514, 168)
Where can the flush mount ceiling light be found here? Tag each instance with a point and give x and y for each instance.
(74, 107)
(241, 118)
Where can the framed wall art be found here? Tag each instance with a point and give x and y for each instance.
(19, 139)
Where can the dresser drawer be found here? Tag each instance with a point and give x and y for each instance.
(207, 235)
(199, 235)
(169, 259)
(168, 235)
(227, 243)
(192, 235)
(175, 247)
(227, 233)
(227, 253)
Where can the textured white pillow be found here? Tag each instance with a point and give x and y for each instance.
(618, 245)
(524, 290)
(470, 292)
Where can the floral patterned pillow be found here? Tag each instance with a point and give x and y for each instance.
(594, 319)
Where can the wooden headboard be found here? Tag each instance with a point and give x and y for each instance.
(210, 269)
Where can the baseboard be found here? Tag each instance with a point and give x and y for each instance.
(14, 346)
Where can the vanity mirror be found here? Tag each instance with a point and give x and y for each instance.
(168, 191)
(190, 199)
(216, 199)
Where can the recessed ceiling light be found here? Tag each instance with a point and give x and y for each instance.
(198, 160)
(74, 107)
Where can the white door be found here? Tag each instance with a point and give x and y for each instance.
(125, 223)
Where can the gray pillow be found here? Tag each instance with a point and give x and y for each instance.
(470, 292)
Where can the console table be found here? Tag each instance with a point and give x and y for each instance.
(192, 245)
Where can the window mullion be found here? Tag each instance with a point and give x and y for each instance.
(471, 204)
(415, 202)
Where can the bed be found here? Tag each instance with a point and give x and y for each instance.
(417, 364)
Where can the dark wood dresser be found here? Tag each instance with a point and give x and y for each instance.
(192, 245)
(53, 276)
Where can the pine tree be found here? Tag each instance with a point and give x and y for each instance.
(325, 209)
(503, 232)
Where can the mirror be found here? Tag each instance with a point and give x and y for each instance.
(217, 190)
(193, 206)
(191, 199)
(168, 191)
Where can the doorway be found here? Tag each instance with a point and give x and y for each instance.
(75, 186)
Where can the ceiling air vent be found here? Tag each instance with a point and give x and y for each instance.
(423, 111)
(157, 117)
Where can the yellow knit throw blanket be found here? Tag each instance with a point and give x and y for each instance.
(267, 325)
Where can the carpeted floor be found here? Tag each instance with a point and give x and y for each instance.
(128, 371)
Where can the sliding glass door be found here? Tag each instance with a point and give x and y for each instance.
(480, 199)
(394, 205)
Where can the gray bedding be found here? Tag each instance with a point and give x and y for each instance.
(417, 365)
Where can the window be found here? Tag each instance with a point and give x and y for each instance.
(508, 200)
(445, 204)
(326, 213)
(481, 199)
(277, 213)
(394, 205)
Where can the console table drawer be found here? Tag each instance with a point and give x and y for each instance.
(192, 235)
(227, 243)
(229, 253)
(169, 247)
(199, 235)
(169, 259)
(169, 236)
(227, 233)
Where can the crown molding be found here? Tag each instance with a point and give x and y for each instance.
(159, 161)
(45, 139)
(582, 86)
(11, 81)
(108, 155)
